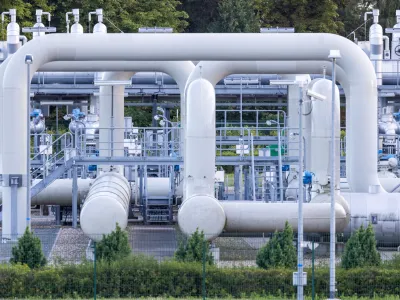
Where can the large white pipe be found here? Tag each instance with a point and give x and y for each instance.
(106, 205)
(232, 47)
(321, 132)
(248, 216)
(363, 164)
(111, 141)
(59, 192)
(200, 209)
(179, 70)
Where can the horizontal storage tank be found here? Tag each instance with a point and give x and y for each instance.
(106, 205)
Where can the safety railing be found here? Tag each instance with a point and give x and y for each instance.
(249, 118)
(390, 71)
(145, 142)
(51, 156)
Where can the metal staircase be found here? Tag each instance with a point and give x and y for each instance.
(54, 165)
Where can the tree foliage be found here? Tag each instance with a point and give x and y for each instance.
(201, 14)
(113, 246)
(303, 15)
(279, 252)
(195, 249)
(28, 251)
(231, 19)
(360, 250)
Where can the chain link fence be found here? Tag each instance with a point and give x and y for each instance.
(226, 268)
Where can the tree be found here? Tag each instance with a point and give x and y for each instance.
(360, 250)
(235, 16)
(201, 14)
(303, 15)
(113, 246)
(28, 251)
(195, 249)
(26, 11)
(125, 15)
(279, 252)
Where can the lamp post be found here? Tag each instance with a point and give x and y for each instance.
(28, 62)
(334, 55)
(270, 122)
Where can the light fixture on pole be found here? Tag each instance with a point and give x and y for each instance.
(28, 62)
(334, 55)
(269, 123)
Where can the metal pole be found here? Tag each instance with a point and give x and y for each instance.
(112, 122)
(312, 272)
(280, 163)
(332, 275)
(57, 119)
(300, 206)
(253, 175)
(28, 153)
(203, 281)
(94, 271)
(241, 104)
(14, 211)
(75, 197)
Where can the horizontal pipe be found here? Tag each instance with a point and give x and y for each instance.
(60, 191)
(248, 216)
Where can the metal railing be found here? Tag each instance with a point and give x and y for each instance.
(52, 155)
(254, 118)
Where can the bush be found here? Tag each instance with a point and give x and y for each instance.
(196, 249)
(279, 252)
(360, 249)
(141, 276)
(113, 246)
(28, 251)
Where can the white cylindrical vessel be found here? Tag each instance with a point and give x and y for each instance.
(106, 205)
(13, 30)
(77, 28)
(376, 41)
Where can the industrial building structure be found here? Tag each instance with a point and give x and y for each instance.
(238, 108)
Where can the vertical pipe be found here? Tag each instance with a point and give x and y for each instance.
(28, 151)
(280, 163)
(332, 274)
(75, 197)
(300, 206)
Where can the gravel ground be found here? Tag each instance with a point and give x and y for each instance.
(70, 246)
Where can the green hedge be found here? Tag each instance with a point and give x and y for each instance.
(145, 277)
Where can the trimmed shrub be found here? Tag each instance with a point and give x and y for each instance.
(279, 252)
(141, 276)
(360, 249)
(28, 251)
(195, 249)
(113, 246)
